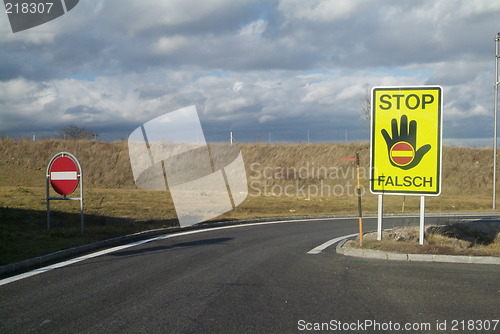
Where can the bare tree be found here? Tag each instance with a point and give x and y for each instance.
(75, 132)
(366, 106)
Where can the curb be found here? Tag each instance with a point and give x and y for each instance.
(381, 255)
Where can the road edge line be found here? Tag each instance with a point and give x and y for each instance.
(171, 233)
(323, 246)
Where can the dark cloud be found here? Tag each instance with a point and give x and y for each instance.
(249, 66)
(82, 110)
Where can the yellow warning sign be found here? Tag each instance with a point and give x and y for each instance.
(406, 140)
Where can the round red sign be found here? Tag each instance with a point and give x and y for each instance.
(402, 153)
(63, 174)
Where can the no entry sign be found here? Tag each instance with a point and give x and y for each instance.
(64, 175)
(402, 153)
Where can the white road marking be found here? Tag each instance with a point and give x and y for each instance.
(118, 248)
(323, 246)
(315, 250)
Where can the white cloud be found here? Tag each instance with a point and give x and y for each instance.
(238, 85)
(254, 29)
(318, 10)
(166, 45)
(18, 89)
(266, 118)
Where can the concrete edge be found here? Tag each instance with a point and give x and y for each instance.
(381, 255)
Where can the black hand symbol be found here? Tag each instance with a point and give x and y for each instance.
(405, 135)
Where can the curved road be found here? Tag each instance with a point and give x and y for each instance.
(251, 279)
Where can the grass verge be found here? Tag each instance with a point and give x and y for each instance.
(24, 233)
(445, 240)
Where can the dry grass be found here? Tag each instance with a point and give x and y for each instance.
(317, 179)
(24, 163)
(115, 206)
(405, 240)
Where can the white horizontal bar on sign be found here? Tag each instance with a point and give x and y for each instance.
(63, 176)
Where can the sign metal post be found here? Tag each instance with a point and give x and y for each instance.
(360, 211)
(495, 117)
(422, 219)
(380, 216)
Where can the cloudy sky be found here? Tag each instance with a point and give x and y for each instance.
(264, 69)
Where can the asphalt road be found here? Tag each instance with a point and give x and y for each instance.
(253, 279)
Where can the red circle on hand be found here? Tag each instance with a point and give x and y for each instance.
(63, 175)
(402, 153)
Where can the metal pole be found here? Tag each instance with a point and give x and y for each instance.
(82, 225)
(47, 195)
(497, 78)
(380, 216)
(422, 219)
(360, 212)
